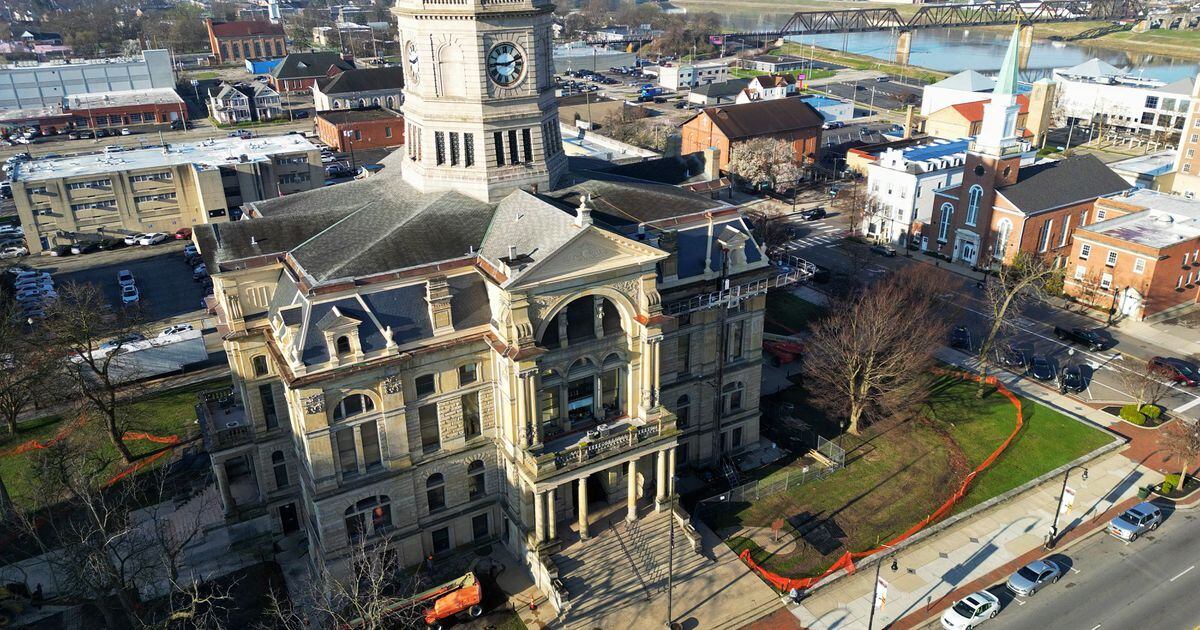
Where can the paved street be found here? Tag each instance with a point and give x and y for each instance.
(1146, 584)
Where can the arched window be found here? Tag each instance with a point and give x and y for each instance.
(260, 365)
(375, 101)
(973, 197)
(944, 227)
(353, 405)
(369, 517)
(731, 396)
(476, 483)
(1003, 233)
(342, 345)
(611, 392)
(362, 102)
(391, 101)
(337, 103)
(435, 492)
(581, 390)
(683, 408)
(279, 465)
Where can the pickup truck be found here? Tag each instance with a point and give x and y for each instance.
(1080, 336)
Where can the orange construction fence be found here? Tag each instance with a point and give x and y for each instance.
(846, 561)
(131, 436)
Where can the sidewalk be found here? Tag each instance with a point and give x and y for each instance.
(982, 549)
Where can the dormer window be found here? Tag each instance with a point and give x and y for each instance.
(353, 405)
(342, 346)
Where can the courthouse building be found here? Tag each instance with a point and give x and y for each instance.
(476, 345)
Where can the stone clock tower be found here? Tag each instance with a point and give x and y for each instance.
(480, 114)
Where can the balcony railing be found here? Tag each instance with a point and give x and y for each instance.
(223, 419)
(592, 446)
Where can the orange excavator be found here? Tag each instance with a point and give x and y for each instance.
(443, 602)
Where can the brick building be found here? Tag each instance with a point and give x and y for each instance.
(300, 71)
(126, 108)
(789, 119)
(234, 42)
(1141, 259)
(369, 128)
(1004, 206)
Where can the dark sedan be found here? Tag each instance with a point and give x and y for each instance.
(960, 338)
(1013, 358)
(1041, 368)
(812, 214)
(1178, 370)
(1070, 380)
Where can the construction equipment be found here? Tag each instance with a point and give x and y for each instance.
(444, 601)
(783, 352)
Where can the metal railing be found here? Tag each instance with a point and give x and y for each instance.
(791, 269)
(623, 440)
(774, 484)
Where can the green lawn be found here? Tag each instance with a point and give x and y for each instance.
(896, 477)
(171, 412)
(788, 314)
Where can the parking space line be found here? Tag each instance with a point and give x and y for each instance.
(1181, 573)
(1020, 602)
(1095, 627)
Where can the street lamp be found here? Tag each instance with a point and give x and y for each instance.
(1052, 538)
(875, 587)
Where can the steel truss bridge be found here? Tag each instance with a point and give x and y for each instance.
(952, 15)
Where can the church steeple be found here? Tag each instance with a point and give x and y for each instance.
(998, 134)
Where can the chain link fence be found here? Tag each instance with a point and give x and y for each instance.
(774, 484)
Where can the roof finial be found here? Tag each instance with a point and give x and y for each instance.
(583, 216)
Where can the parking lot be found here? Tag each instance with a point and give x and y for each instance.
(163, 279)
(885, 95)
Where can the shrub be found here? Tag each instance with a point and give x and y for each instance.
(1172, 479)
(1167, 487)
(1152, 411)
(1130, 413)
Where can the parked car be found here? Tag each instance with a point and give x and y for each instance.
(183, 234)
(1041, 368)
(112, 243)
(61, 250)
(1177, 370)
(133, 239)
(812, 214)
(35, 281)
(1137, 520)
(102, 133)
(1013, 358)
(960, 338)
(176, 125)
(129, 294)
(174, 330)
(73, 135)
(1089, 339)
(126, 131)
(971, 611)
(1070, 380)
(86, 135)
(14, 252)
(123, 340)
(114, 148)
(1029, 579)
(884, 250)
(85, 247)
(199, 273)
(152, 238)
(125, 278)
(300, 114)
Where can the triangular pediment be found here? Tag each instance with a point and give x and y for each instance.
(593, 251)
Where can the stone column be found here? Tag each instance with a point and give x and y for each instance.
(530, 417)
(656, 375)
(598, 316)
(631, 500)
(539, 517)
(227, 501)
(583, 509)
(523, 429)
(660, 486)
(551, 518)
(562, 328)
(671, 471)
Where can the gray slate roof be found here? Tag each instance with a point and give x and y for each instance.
(309, 64)
(622, 202)
(1061, 183)
(722, 88)
(363, 80)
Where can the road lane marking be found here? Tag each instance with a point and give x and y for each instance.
(1095, 627)
(1181, 573)
(1186, 406)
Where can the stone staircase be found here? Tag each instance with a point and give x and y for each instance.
(624, 563)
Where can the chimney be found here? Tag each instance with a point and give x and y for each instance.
(908, 122)
(512, 252)
(712, 163)
(583, 216)
(437, 294)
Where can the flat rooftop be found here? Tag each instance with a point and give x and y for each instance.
(124, 98)
(210, 153)
(1168, 220)
(1153, 164)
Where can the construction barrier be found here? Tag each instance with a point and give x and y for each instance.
(131, 436)
(846, 561)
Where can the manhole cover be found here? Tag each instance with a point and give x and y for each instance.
(974, 539)
(944, 555)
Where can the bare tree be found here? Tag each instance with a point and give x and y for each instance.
(770, 227)
(375, 593)
(766, 160)
(1181, 439)
(870, 357)
(1144, 384)
(1015, 285)
(25, 365)
(121, 541)
(84, 327)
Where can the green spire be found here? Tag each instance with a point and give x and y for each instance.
(1006, 83)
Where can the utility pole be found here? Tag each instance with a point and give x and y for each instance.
(1052, 537)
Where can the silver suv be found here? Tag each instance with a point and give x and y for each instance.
(1137, 520)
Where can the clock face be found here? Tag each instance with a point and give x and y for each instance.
(505, 64)
(413, 59)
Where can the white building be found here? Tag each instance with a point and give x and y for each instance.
(1095, 92)
(832, 109)
(48, 84)
(767, 88)
(967, 86)
(677, 77)
(244, 102)
(901, 186)
(582, 56)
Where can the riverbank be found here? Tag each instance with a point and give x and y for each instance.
(1178, 44)
(860, 62)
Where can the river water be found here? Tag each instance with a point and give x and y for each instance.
(952, 50)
